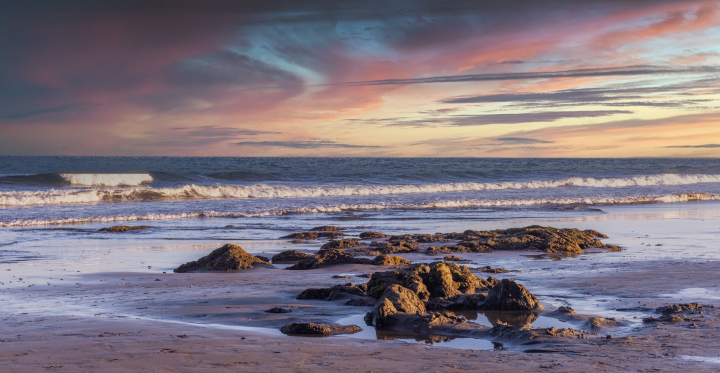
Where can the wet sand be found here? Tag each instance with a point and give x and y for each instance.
(129, 321)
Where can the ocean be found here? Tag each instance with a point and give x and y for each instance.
(57, 191)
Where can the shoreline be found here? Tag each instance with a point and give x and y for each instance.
(144, 317)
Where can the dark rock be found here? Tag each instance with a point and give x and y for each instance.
(227, 258)
(319, 329)
(328, 258)
(361, 302)
(278, 310)
(453, 258)
(510, 296)
(677, 308)
(394, 301)
(339, 276)
(386, 260)
(342, 244)
(489, 269)
(263, 258)
(327, 228)
(371, 235)
(290, 256)
(315, 293)
(313, 235)
(124, 228)
(332, 293)
(566, 310)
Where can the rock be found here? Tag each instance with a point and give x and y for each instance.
(319, 329)
(440, 282)
(327, 228)
(328, 258)
(394, 301)
(371, 235)
(227, 258)
(361, 302)
(124, 228)
(263, 258)
(453, 258)
(677, 308)
(466, 302)
(386, 260)
(332, 293)
(313, 235)
(315, 293)
(510, 296)
(566, 310)
(340, 244)
(339, 276)
(600, 322)
(290, 256)
(489, 269)
(278, 310)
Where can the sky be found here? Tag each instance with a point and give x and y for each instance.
(408, 78)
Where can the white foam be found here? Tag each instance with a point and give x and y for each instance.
(366, 207)
(67, 196)
(107, 180)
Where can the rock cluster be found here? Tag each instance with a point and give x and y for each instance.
(123, 228)
(227, 258)
(290, 256)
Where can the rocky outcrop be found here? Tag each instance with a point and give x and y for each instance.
(397, 304)
(677, 308)
(372, 235)
(327, 228)
(319, 329)
(341, 244)
(388, 261)
(453, 258)
(332, 293)
(124, 228)
(313, 235)
(227, 258)
(327, 258)
(508, 295)
(291, 256)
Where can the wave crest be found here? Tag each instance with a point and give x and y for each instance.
(107, 180)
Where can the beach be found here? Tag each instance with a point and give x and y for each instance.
(70, 315)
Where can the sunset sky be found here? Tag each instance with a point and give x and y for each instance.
(360, 78)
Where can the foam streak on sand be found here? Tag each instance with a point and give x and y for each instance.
(686, 197)
(64, 196)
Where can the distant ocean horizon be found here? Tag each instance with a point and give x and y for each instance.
(45, 190)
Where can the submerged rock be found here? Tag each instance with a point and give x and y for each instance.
(319, 329)
(227, 258)
(290, 256)
(327, 258)
(124, 228)
(508, 295)
(278, 310)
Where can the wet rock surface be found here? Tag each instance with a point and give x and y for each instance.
(313, 235)
(291, 256)
(227, 258)
(387, 260)
(319, 329)
(327, 228)
(327, 258)
(508, 295)
(372, 235)
(278, 310)
(123, 228)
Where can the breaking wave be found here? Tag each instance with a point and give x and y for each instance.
(107, 180)
(192, 191)
(587, 201)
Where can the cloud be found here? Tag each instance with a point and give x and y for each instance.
(309, 144)
(55, 110)
(626, 71)
(488, 119)
(694, 146)
(522, 140)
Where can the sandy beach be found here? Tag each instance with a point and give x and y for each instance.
(152, 319)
